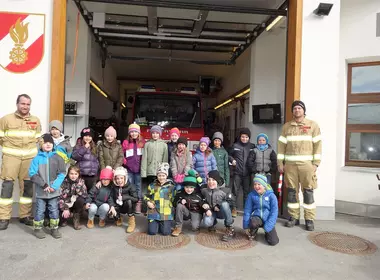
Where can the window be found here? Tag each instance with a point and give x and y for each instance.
(363, 115)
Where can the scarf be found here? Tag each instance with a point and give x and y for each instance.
(262, 147)
(57, 141)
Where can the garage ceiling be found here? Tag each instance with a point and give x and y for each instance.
(179, 30)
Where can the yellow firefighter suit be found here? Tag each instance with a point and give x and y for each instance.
(299, 148)
(18, 138)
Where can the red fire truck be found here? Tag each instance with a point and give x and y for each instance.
(182, 109)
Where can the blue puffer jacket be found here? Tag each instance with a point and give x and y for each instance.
(204, 163)
(264, 206)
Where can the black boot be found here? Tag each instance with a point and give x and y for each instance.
(230, 233)
(309, 224)
(26, 221)
(292, 222)
(4, 224)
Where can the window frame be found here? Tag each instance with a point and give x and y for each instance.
(356, 98)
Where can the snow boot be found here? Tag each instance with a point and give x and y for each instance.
(309, 224)
(131, 224)
(4, 224)
(76, 221)
(230, 233)
(177, 231)
(292, 222)
(90, 223)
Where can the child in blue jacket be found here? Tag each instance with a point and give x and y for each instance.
(47, 171)
(261, 210)
(203, 159)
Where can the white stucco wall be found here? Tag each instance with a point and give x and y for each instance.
(319, 91)
(268, 67)
(35, 83)
(358, 43)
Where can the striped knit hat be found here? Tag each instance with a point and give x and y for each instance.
(190, 180)
(261, 179)
(175, 130)
(134, 127)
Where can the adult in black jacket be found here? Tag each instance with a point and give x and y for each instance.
(239, 153)
(188, 203)
(125, 198)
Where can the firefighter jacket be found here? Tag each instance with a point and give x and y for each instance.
(299, 142)
(18, 135)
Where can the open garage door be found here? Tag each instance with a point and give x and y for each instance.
(203, 32)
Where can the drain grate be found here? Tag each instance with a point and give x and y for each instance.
(343, 243)
(213, 240)
(142, 240)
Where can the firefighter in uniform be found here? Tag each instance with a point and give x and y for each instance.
(299, 155)
(18, 137)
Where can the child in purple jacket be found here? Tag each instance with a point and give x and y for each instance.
(133, 148)
(85, 154)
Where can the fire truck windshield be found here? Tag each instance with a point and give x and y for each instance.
(168, 110)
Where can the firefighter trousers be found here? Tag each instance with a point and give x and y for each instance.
(14, 168)
(301, 175)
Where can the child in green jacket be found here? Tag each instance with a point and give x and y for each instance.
(221, 157)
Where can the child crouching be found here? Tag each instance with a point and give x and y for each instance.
(159, 202)
(125, 198)
(217, 206)
(100, 201)
(261, 210)
(47, 172)
(73, 197)
(188, 204)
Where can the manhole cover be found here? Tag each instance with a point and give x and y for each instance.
(214, 240)
(343, 243)
(142, 240)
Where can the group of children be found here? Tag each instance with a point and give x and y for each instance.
(181, 186)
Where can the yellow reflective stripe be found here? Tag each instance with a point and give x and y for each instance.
(19, 152)
(6, 201)
(2, 134)
(293, 205)
(25, 200)
(293, 138)
(63, 156)
(299, 158)
(317, 156)
(281, 156)
(317, 138)
(38, 135)
(282, 139)
(20, 133)
(309, 206)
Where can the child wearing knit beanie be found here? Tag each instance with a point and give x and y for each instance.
(133, 148)
(174, 135)
(181, 162)
(262, 159)
(221, 157)
(203, 159)
(188, 203)
(110, 152)
(155, 152)
(261, 210)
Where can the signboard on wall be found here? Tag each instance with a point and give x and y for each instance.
(22, 38)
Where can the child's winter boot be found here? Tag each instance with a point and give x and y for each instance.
(131, 224)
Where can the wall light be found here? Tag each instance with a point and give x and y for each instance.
(323, 9)
(122, 104)
(224, 103)
(244, 92)
(273, 23)
(95, 86)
